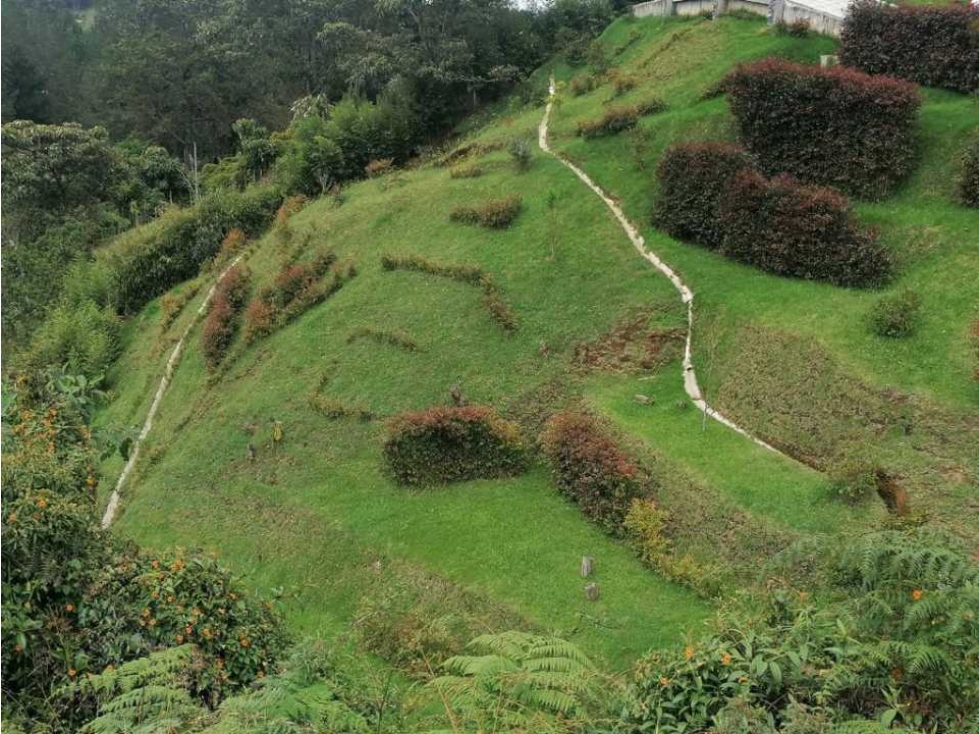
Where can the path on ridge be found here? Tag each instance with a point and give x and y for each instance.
(690, 384)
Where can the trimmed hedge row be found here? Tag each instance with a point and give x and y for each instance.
(969, 183)
(935, 45)
(591, 470)
(147, 261)
(452, 444)
(835, 127)
(619, 118)
(711, 194)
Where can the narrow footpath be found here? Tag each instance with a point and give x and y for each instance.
(690, 384)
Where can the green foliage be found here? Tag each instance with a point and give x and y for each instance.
(494, 214)
(81, 336)
(147, 261)
(442, 445)
(613, 121)
(591, 470)
(969, 182)
(854, 478)
(518, 681)
(885, 630)
(896, 316)
(520, 154)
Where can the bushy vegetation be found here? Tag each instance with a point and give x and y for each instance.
(882, 630)
(897, 315)
(442, 445)
(223, 317)
(494, 214)
(81, 336)
(799, 231)
(296, 289)
(591, 470)
(711, 194)
(693, 180)
(933, 45)
(147, 261)
(969, 182)
(614, 120)
(835, 127)
(76, 601)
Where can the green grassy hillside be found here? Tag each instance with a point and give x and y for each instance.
(318, 519)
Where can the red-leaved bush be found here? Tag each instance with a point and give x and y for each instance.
(223, 317)
(451, 444)
(799, 231)
(711, 194)
(692, 177)
(835, 127)
(934, 45)
(591, 470)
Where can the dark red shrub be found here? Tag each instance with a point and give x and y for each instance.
(969, 183)
(835, 127)
(799, 231)
(259, 319)
(934, 45)
(219, 330)
(692, 177)
(444, 444)
(234, 287)
(591, 470)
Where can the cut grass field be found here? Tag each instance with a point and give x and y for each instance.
(319, 521)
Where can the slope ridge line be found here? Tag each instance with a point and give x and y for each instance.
(690, 384)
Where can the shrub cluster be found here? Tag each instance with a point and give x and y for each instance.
(82, 337)
(149, 260)
(934, 45)
(295, 290)
(498, 308)
(443, 444)
(799, 231)
(711, 194)
(224, 315)
(613, 121)
(836, 127)
(379, 167)
(969, 183)
(495, 214)
(583, 84)
(897, 315)
(591, 470)
(520, 153)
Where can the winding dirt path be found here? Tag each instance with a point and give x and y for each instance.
(690, 384)
(113, 507)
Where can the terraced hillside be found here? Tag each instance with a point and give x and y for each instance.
(314, 515)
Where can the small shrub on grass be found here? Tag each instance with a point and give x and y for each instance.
(520, 154)
(583, 84)
(650, 106)
(932, 45)
(233, 243)
(378, 168)
(969, 183)
(798, 231)
(591, 470)
(621, 83)
(494, 214)
(470, 171)
(835, 127)
(259, 320)
(613, 121)
(853, 479)
(692, 179)
(442, 445)
(896, 316)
